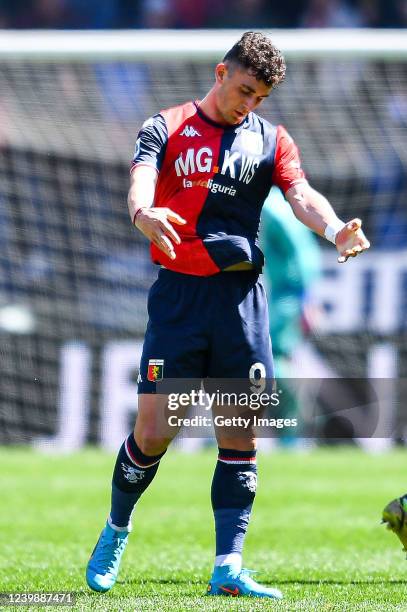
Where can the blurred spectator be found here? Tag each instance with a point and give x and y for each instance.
(158, 14)
(394, 13)
(50, 14)
(93, 14)
(4, 18)
(128, 13)
(10, 10)
(244, 14)
(401, 8)
(370, 12)
(331, 14)
(196, 14)
(287, 14)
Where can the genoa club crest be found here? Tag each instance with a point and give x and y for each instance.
(155, 370)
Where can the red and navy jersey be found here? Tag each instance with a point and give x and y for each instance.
(217, 178)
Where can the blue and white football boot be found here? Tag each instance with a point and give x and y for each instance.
(242, 584)
(104, 563)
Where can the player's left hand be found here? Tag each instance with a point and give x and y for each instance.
(350, 240)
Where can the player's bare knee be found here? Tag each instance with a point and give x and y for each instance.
(152, 446)
(246, 443)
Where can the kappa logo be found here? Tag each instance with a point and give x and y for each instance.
(155, 370)
(132, 474)
(190, 132)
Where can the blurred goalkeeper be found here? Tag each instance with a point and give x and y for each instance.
(200, 174)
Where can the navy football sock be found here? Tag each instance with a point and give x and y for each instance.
(233, 491)
(132, 474)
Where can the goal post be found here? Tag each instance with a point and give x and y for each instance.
(73, 272)
(196, 45)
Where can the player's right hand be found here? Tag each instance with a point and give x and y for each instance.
(351, 241)
(155, 224)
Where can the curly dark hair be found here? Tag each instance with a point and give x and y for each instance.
(256, 52)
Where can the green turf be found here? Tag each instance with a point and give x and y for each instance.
(315, 531)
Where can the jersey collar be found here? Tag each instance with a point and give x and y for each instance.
(205, 118)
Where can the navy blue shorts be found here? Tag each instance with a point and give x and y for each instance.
(199, 327)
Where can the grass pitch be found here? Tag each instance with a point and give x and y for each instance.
(315, 531)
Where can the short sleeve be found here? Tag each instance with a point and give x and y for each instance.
(151, 143)
(287, 164)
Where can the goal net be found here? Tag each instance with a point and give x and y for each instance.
(74, 274)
